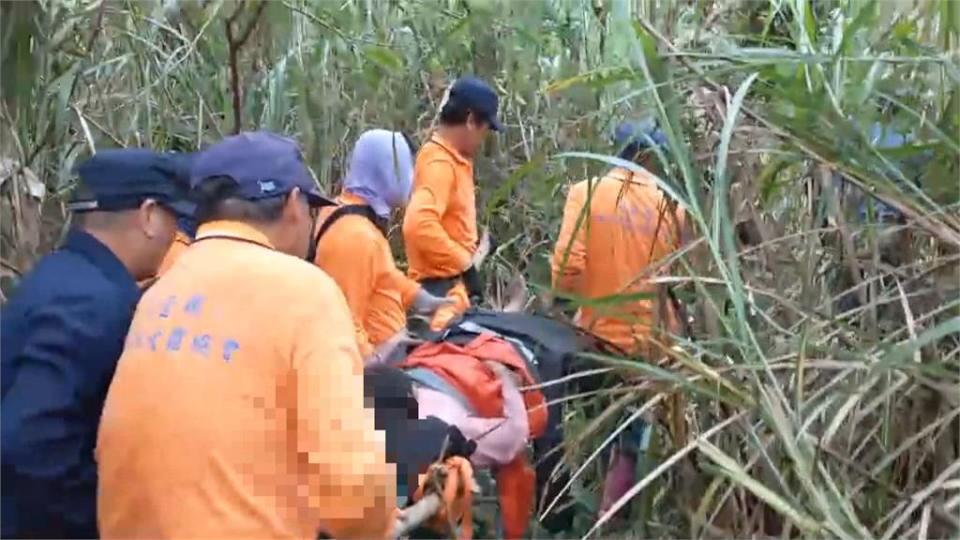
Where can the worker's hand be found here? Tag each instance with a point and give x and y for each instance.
(426, 304)
(382, 353)
(483, 249)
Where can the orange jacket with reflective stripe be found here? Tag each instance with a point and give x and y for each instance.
(627, 226)
(440, 224)
(357, 256)
(237, 409)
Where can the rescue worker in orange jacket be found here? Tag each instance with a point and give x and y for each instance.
(353, 249)
(440, 225)
(628, 226)
(237, 407)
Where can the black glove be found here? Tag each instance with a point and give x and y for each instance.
(473, 283)
(458, 445)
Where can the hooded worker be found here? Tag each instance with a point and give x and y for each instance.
(352, 245)
(628, 227)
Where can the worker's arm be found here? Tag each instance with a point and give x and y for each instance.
(421, 224)
(408, 288)
(686, 228)
(351, 486)
(64, 368)
(567, 268)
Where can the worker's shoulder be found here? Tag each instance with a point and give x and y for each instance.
(357, 228)
(292, 276)
(434, 155)
(68, 277)
(65, 286)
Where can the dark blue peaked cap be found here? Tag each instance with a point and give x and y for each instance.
(262, 165)
(121, 179)
(479, 96)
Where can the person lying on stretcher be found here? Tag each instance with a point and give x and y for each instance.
(419, 403)
(488, 417)
(499, 439)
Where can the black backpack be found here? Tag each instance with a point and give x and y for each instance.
(352, 210)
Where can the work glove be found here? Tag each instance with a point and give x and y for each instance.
(473, 283)
(385, 352)
(458, 445)
(426, 304)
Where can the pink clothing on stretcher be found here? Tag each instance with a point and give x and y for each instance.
(498, 440)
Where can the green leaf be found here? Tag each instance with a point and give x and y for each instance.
(905, 351)
(384, 57)
(739, 475)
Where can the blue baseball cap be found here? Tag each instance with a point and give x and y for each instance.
(121, 179)
(478, 96)
(640, 133)
(262, 164)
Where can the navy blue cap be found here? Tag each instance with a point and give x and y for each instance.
(640, 133)
(478, 96)
(262, 164)
(121, 179)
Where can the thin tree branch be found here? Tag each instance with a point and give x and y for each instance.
(234, 46)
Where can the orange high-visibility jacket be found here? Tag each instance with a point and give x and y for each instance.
(357, 256)
(440, 224)
(237, 409)
(628, 226)
(463, 368)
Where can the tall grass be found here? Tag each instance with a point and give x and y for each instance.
(820, 381)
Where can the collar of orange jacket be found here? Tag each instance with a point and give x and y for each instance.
(448, 146)
(233, 229)
(346, 198)
(182, 238)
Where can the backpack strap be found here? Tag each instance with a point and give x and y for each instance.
(352, 210)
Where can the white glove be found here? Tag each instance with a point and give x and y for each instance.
(383, 352)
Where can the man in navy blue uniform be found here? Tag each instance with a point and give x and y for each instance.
(62, 334)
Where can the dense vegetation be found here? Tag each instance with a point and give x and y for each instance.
(818, 391)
